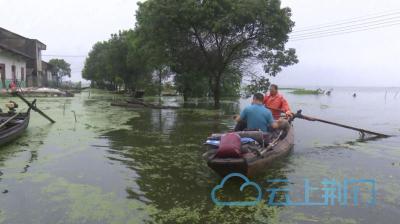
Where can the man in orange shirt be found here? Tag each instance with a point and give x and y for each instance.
(277, 103)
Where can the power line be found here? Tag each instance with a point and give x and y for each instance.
(349, 20)
(341, 33)
(64, 56)
(350, 27)
(357, 24)
(354, 29)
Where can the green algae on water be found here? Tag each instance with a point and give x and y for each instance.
(90, 203)
(200, 213)
(2, 217)
(305, 92)
(203, 112)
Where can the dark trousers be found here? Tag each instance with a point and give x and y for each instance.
(240, 126)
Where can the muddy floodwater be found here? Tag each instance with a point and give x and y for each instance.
(118, 165)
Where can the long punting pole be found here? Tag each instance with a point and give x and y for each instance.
(33, 106)
(308, 118)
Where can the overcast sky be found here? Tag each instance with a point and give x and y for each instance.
(368, 58)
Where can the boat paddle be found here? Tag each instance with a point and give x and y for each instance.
(362, 131)
(308, 118)
(33, 107)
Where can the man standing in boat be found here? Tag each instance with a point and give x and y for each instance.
(255, 116)
(277, 103)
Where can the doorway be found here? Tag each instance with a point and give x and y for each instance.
(3, 75)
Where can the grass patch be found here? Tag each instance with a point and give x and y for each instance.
(288, 88)
(306, 92)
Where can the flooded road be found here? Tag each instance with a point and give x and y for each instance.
(117, 165)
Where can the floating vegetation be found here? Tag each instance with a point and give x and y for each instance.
(324, 106)
(307, 92)
(260, 213)
(288, 88)
(116, 165)
(2, 217)
(203, 112)
(90, 203)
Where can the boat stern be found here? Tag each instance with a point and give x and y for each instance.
(224, 166)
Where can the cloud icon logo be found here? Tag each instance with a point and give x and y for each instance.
(247, 183)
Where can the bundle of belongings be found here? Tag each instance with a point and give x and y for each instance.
(235, 144)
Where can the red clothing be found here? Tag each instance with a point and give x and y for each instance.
(277, 104)
(12, 86)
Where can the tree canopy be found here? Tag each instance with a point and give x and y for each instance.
(61, 68)
(118, 62)
(209, 39)
(208, 46)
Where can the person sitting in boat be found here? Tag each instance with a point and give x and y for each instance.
(277, 103)
(255, 116)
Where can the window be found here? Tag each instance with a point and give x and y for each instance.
(13, 73)
(22, 73)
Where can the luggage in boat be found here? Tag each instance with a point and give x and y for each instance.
(229, 146)
(254, 157)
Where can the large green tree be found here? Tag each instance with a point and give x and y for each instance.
(61, 68)
(210, 38)
(118, 62)
(96, 66)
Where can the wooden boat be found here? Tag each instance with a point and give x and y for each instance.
(12, 125)
(254, 161)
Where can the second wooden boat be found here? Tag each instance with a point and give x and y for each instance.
(12, 125)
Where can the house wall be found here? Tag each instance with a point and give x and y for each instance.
(49, 76)
(9, 60)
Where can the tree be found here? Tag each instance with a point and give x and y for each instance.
(257, 85)
(118, 62)
(61, 68)
(210, 38)
(139, 66)
(95, 68)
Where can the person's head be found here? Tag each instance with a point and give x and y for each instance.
(273, 89)
(258, 98)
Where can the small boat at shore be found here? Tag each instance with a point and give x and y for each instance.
(12, 125)
(254, 158)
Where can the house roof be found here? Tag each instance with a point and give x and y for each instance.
(20, 36)
(14, 51)
(20, 43)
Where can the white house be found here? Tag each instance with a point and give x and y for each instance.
(12, 67)
(21, 58)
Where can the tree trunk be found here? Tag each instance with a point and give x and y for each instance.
(185, 95)
(217, 91)
(159, 85)
(159, 82)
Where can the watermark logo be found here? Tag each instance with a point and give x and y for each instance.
(247, 183)
(329, 192)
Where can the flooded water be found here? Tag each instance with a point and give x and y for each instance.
(118, 165)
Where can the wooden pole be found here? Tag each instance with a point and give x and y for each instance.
(33, 107)
(308, 118)
(299, 115)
